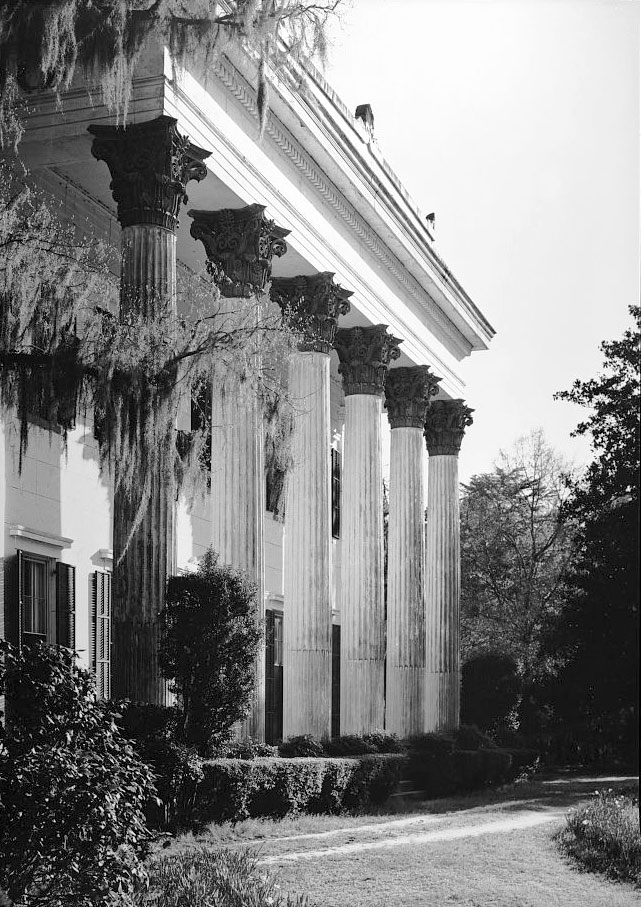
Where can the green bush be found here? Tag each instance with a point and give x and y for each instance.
(235, 789)
(245, 749)
(357, 745)
(72, 790)
(604, 836)
(303, 745)
(490, 688)
(204, 878)
(209, 642)
(445, 764)
(177, 768)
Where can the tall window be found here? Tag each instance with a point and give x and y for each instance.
(336, 494)
(34, 582)
(273, 676)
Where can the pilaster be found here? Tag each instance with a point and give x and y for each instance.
(364, 354)
(150, 165)
(408, 393)
(444, 429)
(311, 306)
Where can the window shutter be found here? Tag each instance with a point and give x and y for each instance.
(66, 605)
(100, 629)
(13, 599)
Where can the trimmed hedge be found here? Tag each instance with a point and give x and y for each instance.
(235, 789)
(442, 764)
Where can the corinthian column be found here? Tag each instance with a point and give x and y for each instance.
(407, 396)
(150, 165)
(311, 306)
(444, 428)
(240, 244)
(364, 354)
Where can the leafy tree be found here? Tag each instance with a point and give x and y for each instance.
(596, 635)
(72, 791)
(208, 647)
(514, 551)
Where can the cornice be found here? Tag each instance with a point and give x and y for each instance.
(235, 83)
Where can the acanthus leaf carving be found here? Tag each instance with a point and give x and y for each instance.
(365, 354)
(150, 165)
(311, 306)
(240, 244)
(408, 393)
(445, 426)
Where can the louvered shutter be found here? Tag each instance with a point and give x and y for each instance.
(66, 605)
(100, 628)
(13, 599)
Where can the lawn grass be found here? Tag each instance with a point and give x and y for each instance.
(515, 869)
(604, 836)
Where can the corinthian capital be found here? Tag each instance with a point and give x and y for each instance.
(407, 395)
(240, 244)
(311, 305)
(445, 426)
(150, 165)
(365, 354)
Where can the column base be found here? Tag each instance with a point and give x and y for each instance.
(310, 688)
(442, 701)
(404, 713)
(362, 702)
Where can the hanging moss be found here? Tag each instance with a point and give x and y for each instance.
(61, 355)
(43, 43)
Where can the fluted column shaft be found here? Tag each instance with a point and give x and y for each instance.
(443, 582)
(148, 276)
(237, 503)
(444, 429)
(405, 585)
(150, 165)
(144, 560)
(362, 607)
(307, 663)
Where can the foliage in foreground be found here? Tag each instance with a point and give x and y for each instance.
(205, 877)
(209, 642)
(604, 836)
(42, 44)
(595, 637)
(64, 354)
(72, 790)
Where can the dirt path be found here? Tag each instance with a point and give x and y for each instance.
(495, 855)
(525, 819)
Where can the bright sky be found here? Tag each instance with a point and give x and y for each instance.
(517, 122)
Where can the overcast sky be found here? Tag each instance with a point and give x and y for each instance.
(517, 122)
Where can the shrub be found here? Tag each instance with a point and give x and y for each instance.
(177, 768)
(604, 836)
(490, 689)
(235, 789)
(246, 749)
(443, 764)
(203, 877)
(72, 790)
(349, 745)
(303, 745)
(356, 745)
(209, 642)
(468, 737)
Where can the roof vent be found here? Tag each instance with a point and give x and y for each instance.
(364, 113)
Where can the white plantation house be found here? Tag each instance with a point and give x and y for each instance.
(314, 216)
